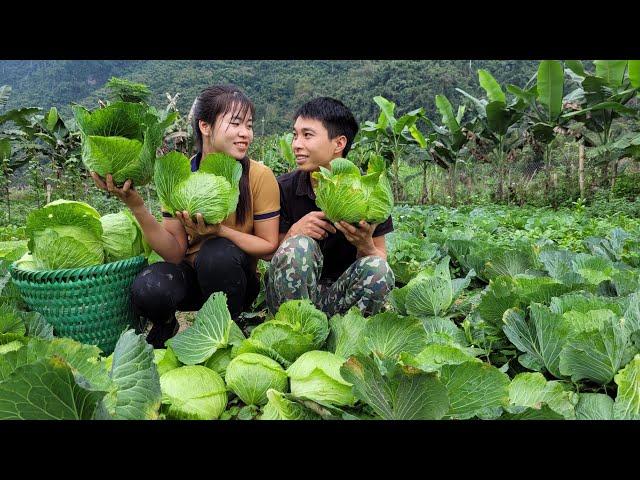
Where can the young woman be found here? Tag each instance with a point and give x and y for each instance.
(201, 259)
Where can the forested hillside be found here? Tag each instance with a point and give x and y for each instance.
(277, 87)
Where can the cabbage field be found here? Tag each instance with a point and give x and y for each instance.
(517, 291)
(498, 313)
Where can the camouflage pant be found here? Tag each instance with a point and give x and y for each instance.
(297, 266)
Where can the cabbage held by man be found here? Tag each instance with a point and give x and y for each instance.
(342, 193)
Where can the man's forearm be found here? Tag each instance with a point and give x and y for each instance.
(370, 250)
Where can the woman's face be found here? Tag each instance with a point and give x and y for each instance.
(231, 134)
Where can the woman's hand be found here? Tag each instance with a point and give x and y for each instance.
(197, 230)
(127, 194)
(361, 237)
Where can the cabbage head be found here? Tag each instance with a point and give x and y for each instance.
(121, 236)
(316, 375)
(431, 292)
(219, 361)
(193, 392)
(250, 375)
(343, 194)
(297, 327)
(122, 140)
(65, 234)
(212, 191)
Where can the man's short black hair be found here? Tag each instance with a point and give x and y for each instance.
(335, 117)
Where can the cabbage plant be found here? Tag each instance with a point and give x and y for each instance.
(193, 392)
(297, 327)
(212, 191)
(250, 375)
(65, 234)
(121, 236)
(343, 194)
(316, 375)
(122, 140)
(431, 293)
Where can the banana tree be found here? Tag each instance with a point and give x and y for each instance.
(495, 120)
(604, 103)
(12, 138)
(391, 136)
(447, 140)
(544, 97)
(62, 145)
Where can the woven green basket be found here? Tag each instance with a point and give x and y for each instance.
(91, 305)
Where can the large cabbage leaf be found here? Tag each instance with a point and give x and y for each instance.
(66, 247)
(137, 393)
(627, 404)
(279, 407)
(404, 394)
(47, 390)
(542, 337)
(212, 329)
(346, 332)
(387, 334)
(473, 388)
(532, 390)
(594, 406)
(596, 354)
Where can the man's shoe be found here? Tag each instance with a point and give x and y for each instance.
(160, 333)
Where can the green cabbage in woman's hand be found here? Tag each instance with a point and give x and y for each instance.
(212, 191)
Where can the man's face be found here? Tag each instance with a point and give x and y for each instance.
(312, 146)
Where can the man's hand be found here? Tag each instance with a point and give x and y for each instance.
(197, 230)
(314, 225)
(361, 238)
(127, 194)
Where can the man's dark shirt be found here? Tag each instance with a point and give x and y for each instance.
(296, 200)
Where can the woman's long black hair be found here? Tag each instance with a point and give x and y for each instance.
(219, 100)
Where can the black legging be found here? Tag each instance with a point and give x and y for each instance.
(220, 266)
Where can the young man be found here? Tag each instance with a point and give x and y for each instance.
(335, 265)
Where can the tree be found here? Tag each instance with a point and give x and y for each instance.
(495, 120)
(603, 102)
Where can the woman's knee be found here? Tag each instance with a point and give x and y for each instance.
(220, 256)
(158, 288)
